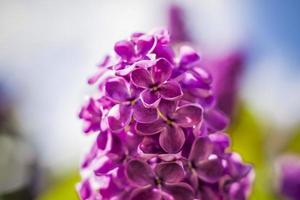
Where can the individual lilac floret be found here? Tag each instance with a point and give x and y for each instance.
(156, 83)
(158, 132)
(289, 172)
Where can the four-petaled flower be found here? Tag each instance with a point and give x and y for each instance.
(169, 125)
(162, 182)
(156, 83)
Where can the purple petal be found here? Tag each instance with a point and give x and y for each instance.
(215, 120)
(106, 167)
(170, 90)
(117, 89)
(169, 172)
(124, 71)
(140, 77)
(172, 139)
(119, 116)
(145, 44)
(164, 51)
(147, 193)
(150, 145)
(139, 173)
(102, 140)
(210, 170)
(84, 189)
(179, 191)
(161, 71)
(188, 115)
(125, 49)
(236, 168)
(142, 114)
(221, 142)
(187, 56)
(150, 98)
(201, 149)
(150, 128)
(167, 108)
(111, 190)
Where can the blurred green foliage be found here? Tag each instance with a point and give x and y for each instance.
(63, 188)
(293, 146)
(248, 139)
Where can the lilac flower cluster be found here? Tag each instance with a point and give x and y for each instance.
(159, 133)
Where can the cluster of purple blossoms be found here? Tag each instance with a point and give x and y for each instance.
(159, 133)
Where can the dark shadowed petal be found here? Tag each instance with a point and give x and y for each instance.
(150, 128)
(124, 49)
(119, 116)
(201, 149)
(172, 139)
(150, 98)
(117, 89)
(210, 170)
(142, 114)
(170, 90)
(140, 77)
(145, 44)
(169, 172)
(167, 108)
(139, 173)
(188, 115)
(180, 191)
(147, 193)
(161, 71)
(215, 120)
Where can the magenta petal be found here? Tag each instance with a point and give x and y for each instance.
(125, 49)
(145, 44)
(102, 140)
(140, 77)
(169, 172)
(119, 116)
(147, 193)
(179, 191)
(139, 173)
(117, 89)
(150, 128)
(150, 98)
(172, 139)
(215, 120)
(170, 90)
(106, 167)
(210, 170)
(142, 114)
(161, 71)
(188, 115)
(84, 189)
(166, 108)
(187, 56)
(201, 149)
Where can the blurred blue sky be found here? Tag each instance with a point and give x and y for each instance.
(48, 49)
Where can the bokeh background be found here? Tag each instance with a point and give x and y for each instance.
(49, 48)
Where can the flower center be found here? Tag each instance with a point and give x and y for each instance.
(154, 87)
(157, 181)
